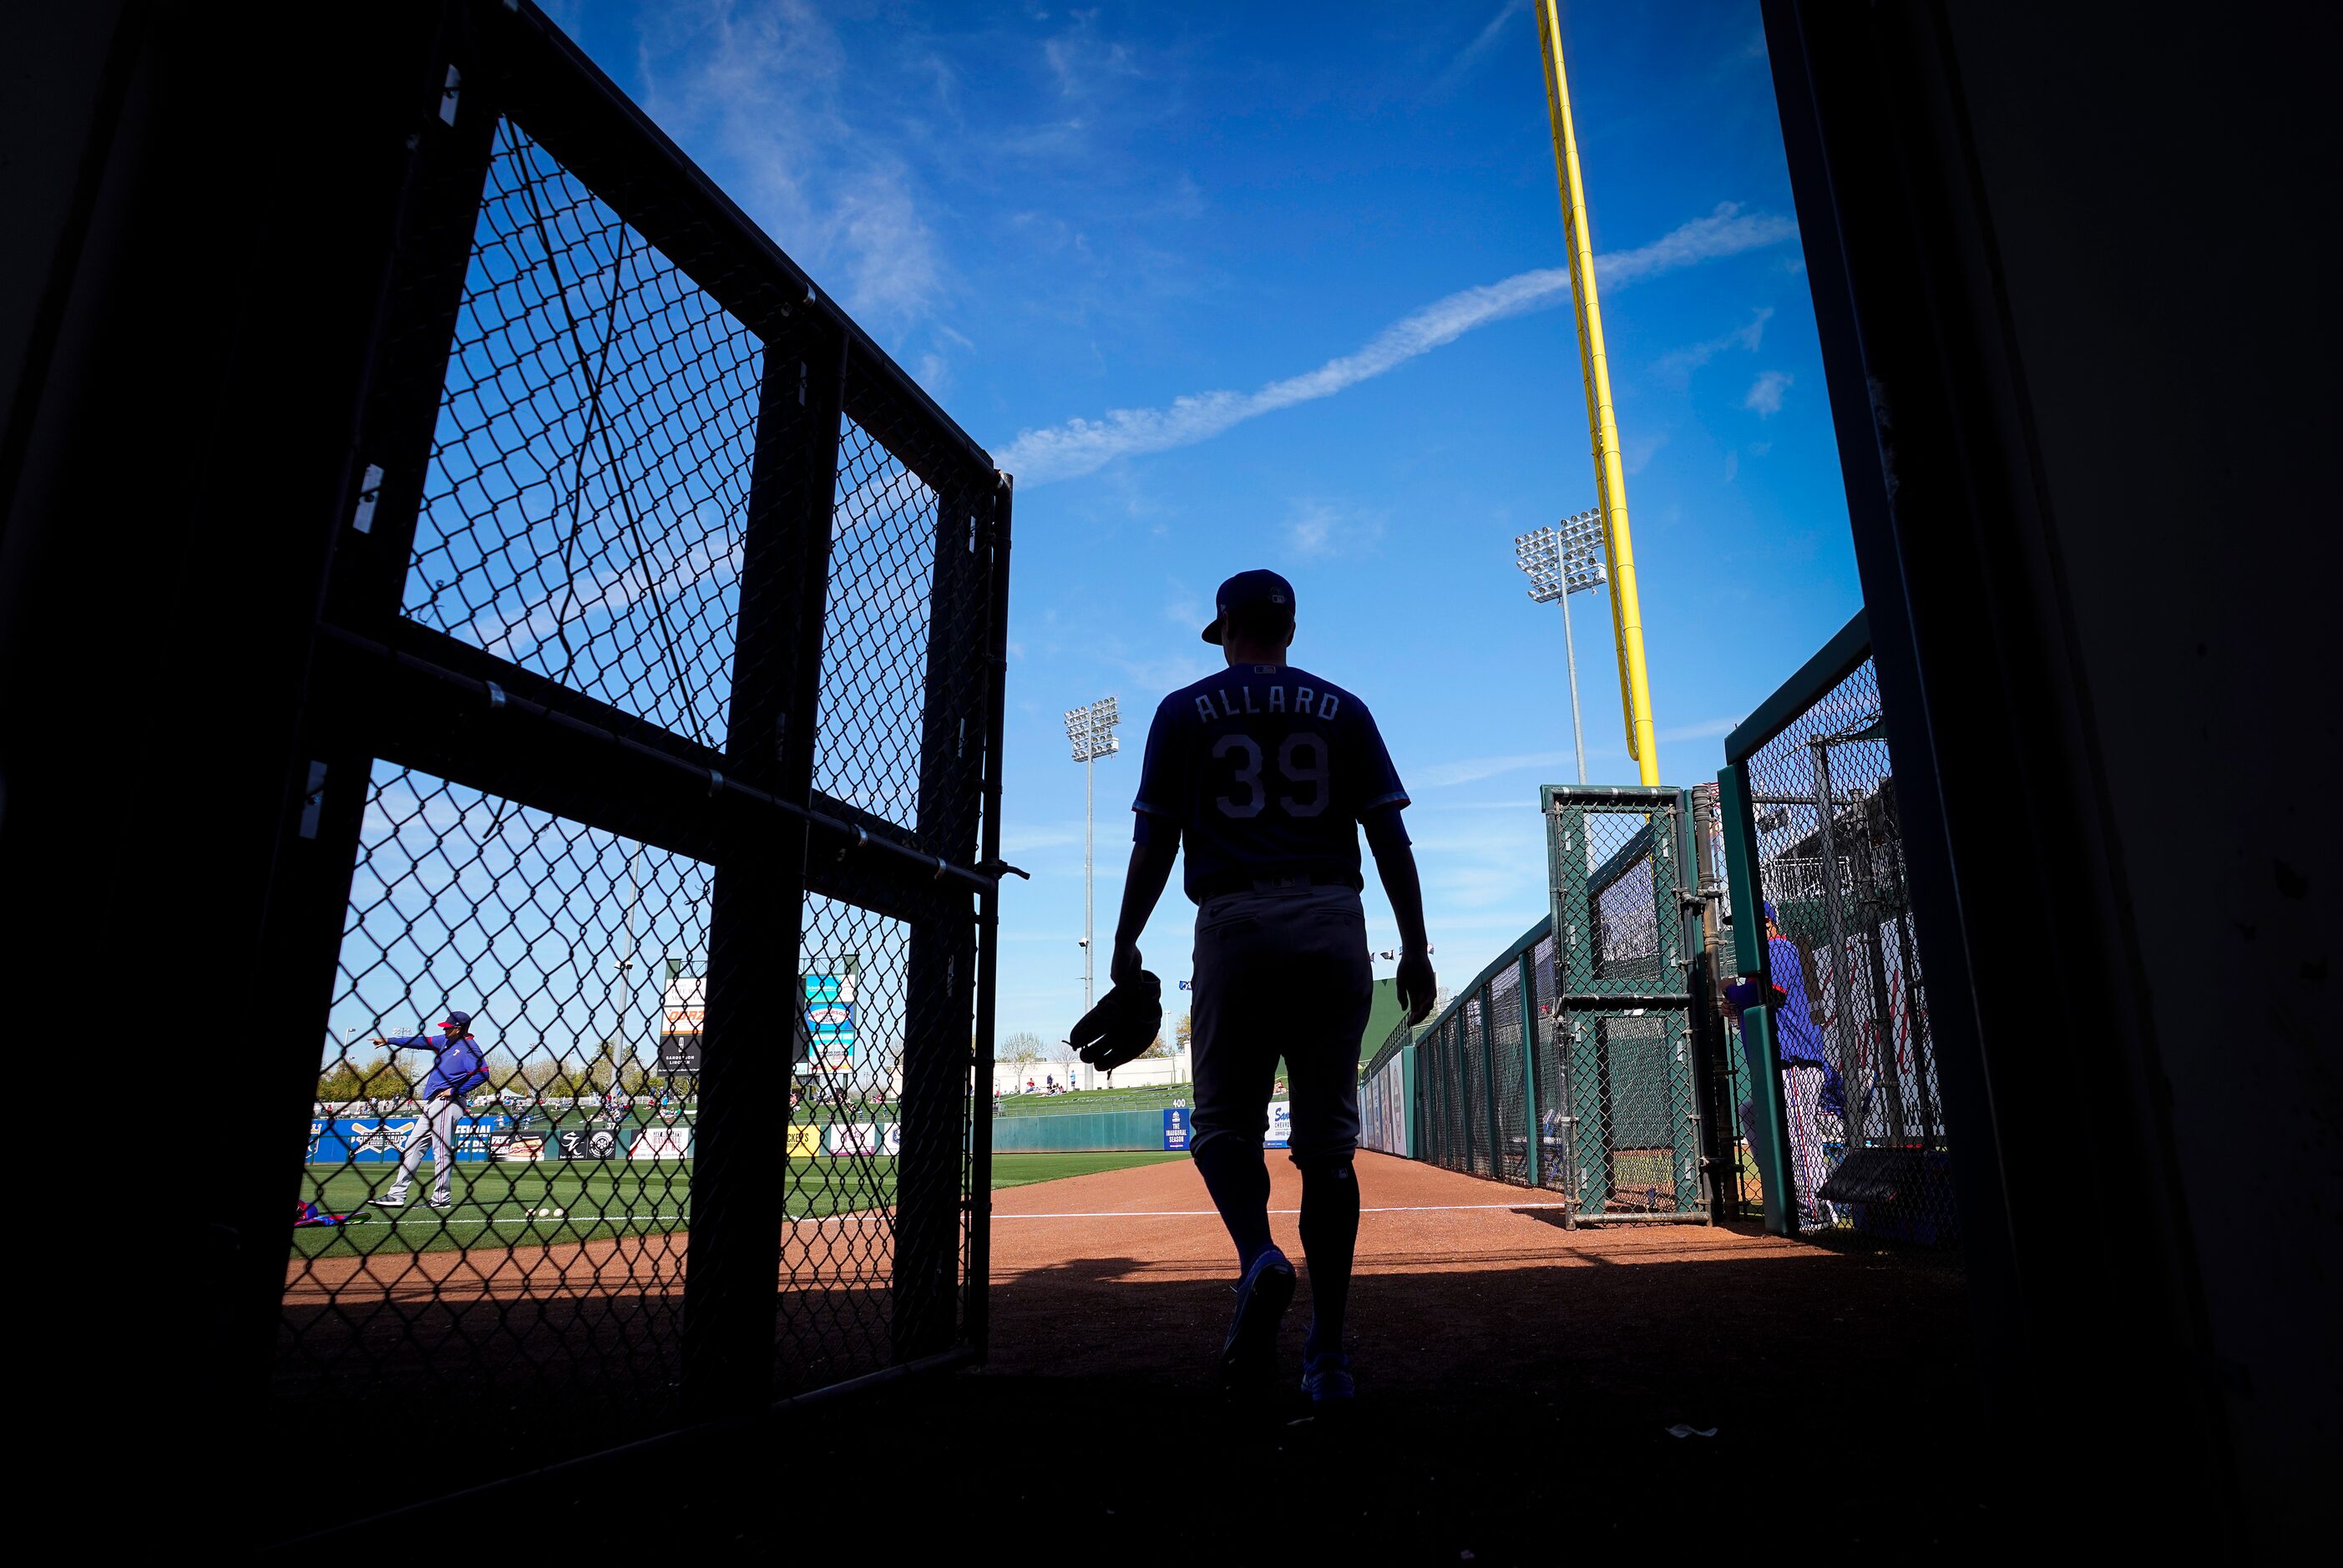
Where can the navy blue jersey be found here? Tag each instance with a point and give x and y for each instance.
(1264, 770)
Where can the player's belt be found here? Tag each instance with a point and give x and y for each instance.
(1290, 882)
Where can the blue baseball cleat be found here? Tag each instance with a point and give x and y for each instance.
(1249, 1356)
(1327, 1378)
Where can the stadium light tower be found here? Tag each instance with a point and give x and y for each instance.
(1092, 730)
(1562, 560)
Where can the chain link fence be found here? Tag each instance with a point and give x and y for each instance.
(1575, 1062)
(660, 682)
(1830, 931)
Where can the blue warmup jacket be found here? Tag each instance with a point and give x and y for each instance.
(1797, 1038)
(460, 1065)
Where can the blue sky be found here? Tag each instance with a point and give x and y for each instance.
(1276, 285)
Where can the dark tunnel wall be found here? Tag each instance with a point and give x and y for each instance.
(2073, 270)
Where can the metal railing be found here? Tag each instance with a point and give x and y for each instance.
(1851, 1120)
(657, 716)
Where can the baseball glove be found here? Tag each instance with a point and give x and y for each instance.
(1126, 1021)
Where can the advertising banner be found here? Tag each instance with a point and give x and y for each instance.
(587, 1143)
(1281, 1124)
(662, 1143)
(853, 1138)
(1176, 1129)
(376, 1139)
(805, 1142)
(518, 1148)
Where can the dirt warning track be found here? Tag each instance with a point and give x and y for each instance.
(1126, 1275)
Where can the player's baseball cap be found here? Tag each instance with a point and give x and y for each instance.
(457, 1020)
(1770, 914)
(1246, 590)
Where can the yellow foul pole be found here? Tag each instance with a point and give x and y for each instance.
(1626, 608)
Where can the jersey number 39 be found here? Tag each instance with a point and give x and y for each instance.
(1305, 782)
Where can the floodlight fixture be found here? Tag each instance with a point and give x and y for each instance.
(1090, 731)
(1561, 560)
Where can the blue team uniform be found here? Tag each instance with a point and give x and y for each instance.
(458, 1065)
(1265, 770)
(1797, 1038)
(1265, 774)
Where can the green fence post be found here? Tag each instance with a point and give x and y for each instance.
(1773, 1150)
(1491, 1111)
(1676, 933)
(1590, 1170)
(1529, 1067)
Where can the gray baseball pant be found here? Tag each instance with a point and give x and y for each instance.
(1277, 971)
(435, 1129)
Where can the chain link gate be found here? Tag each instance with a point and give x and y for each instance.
(1812, 829)
(1623, 1097)
(1589, 1059)
(656, 722)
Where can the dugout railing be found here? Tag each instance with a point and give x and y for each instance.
(653, 718)
(1588, 1059)
(1859, 1146)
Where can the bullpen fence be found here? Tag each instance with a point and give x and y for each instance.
(656, 716)
(1589, 1059)
(1853, 1116)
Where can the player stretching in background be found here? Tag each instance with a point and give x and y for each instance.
(456, 1069)
(1811, 1086)
(1265, 771)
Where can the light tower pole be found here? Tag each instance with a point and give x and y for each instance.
(1090, 729)
(1562, 560)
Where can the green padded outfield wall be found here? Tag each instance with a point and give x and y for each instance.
(1078, 1130)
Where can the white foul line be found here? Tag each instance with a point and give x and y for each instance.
(1215, 1213)
(554, 1224)
(551, 1224)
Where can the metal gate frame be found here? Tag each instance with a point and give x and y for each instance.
(1541, 1014)
(376, 685)
(1588, 1002)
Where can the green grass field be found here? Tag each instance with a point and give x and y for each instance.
(1095, 1099)
(498, 1205)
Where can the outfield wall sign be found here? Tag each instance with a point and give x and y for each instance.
(587, 1143)
(376, 1139)
(661, 1144)
(1179, 1127)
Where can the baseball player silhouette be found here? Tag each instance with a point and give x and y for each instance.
(1267, 772)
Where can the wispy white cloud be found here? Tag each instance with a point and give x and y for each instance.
(1483, 42)
(1316, 529)
(1677, 366)
(767, 83)
(1080, 446)
(1311, 532)
(1765, 398)
(1472, 770)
